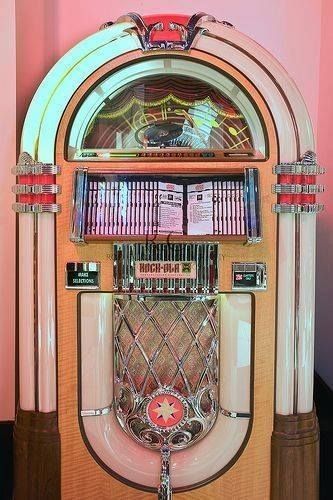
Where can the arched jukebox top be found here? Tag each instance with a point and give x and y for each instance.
(186, 54)
(158, 141)
(154, 109)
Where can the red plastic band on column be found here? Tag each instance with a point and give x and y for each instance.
(25, 198)
(34, 180)
(285, 197)
(308, 198)
(297, 179)
(45, 198)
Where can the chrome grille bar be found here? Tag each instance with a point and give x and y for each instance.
(204, 255)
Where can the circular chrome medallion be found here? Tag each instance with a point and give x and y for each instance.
(166, 409)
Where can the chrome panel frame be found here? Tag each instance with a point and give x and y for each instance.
(252, 206)
(78, 211)
(204, 254)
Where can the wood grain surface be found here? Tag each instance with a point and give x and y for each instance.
(295, 457)
(36, 456)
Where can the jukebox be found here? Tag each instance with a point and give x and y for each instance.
(166, 199)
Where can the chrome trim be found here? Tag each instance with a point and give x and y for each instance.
(252, 207)
(97, 412)
(298, 169)
(164, 489)
(260, 268)
(36, 189)
(253, 241)
(36, 208)
(204, 254)
(36, 310)
(307, 166)
(234, 414)
(78, 212)
(106, 25)
(26, 165)
(297, 188)
(197, 18)
(285, 208)
(185, 369)
(188, 33)
(296, 308)
(36, 169)
(226, 24)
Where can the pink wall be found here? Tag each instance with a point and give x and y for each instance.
(288, 29)
(324, 318)
(7, 217)
(291, 30)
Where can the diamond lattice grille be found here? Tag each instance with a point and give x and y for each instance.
(162, 341)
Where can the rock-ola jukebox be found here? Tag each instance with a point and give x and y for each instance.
(166, 199)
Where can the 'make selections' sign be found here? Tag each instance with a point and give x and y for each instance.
(83, 275)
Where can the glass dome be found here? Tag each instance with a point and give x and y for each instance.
(154, 108)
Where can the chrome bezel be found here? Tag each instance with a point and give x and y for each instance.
(298, 168)
(36, 208)
(36, 169)
(36, 189)
(284, 208)
(160, 392)
(297, 188)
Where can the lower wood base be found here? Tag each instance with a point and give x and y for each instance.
(295, 457)
(36, 456)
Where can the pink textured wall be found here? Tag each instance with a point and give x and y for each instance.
(7, 217)
(45, 29)
(324, 317)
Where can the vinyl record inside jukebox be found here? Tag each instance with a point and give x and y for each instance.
(166, 192)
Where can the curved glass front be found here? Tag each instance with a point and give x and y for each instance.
(153, 108)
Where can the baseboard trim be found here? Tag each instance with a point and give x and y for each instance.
(323, 397)
(6, 459)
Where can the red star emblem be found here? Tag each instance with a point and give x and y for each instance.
(165, 410)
